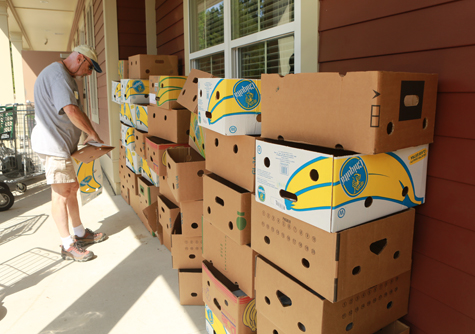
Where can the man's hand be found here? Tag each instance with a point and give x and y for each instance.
(93, 137)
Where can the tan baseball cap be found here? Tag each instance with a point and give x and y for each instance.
(89, 52)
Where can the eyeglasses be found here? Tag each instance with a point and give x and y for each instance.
(91, 66)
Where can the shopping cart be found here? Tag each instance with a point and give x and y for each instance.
(18, 162)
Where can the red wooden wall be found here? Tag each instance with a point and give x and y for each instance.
(131, 28)
(433, 36)
(170, 39)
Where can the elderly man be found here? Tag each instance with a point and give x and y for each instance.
(56, 136)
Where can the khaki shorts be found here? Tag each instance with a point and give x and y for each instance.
(58, 170)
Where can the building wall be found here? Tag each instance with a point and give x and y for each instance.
(131, 28)
(170, 38)
(434, 36)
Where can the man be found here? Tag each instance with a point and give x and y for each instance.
(59, 123)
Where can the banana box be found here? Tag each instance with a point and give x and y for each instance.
(197, 135)
(230, 106)
(156, 153)
(170, 124)
(189, 94)
(296, 308)
(166, 91)
(140, 137)
(334, 189)
(186, 251)
(89, 175)
(127, 136)
(132, 160)
(135, 91)
(140, 114)
(126, 116)
(123, 69)
(148, 173)
(116, 92)
(231, 306)
(213, 325)
(191, 216)
(190, 286)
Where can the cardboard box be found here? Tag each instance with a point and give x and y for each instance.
(197, 135)
(123, 69)
(156, 153)
(127, 136)
(151, 222)
(140, 137)
(190, 286)
(89, 175)
(186, 251)
(135, 91)
(335, 190)
(189, 94)
(230, 106)
(335, 265)
(185, 169)
(132, 160)
(235, 261)
(166, 191)
(129, 179)
(364, 312)
(142, 66)
(91, 152)
(233, 158)
(234, 309)
(126, 116)
(140, 112)
(169, 124)
(228, 207)
(124, 192)
(191, 218)
(149, 174)
(116, 92)
(396, 327)
(153, 85)
(213, 325)
(147, 190)
(167, 90)
(165, 238)
(168, 214)
(367, 112)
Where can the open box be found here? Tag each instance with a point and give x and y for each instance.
(156, 153)
(169, 124)
(197, 135)
(334, 189)
(189, 94)
(190, 286)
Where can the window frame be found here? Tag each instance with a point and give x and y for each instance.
(231, 47)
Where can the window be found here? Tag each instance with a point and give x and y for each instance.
(244, 38)
(91, 80)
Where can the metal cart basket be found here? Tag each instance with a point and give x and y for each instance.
(17, 160)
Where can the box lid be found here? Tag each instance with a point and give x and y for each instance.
(91, 152)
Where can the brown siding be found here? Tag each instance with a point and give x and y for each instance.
(433, 36)
(131, 28)
(103, 99)
(170, 38)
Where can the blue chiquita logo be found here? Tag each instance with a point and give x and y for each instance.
(232, 129)
(259, 149)
(138, 86)
(86, 181)
(261, 193)
(210, 315)
(353, 176)
(246, 94)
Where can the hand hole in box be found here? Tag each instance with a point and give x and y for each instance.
(305, 263)
(147, 71)
(275, 332)
(378, 246)
(235, 149)
(201, 93)
(183, 92)
(194, 226)
(425, 123)
(173, 186)
(390, 304)
(267, 300)
(284, 300)
(396, 255)
(194, 294)
(301, 327)
(226, 302)
(194, 98)
(208, 114)
(216, 142)
(200, 173)
(390, 128)
(219, 200)
(165, 117)
(209, 210)
(194, 139)
(217, 304)
(405, 190)
(192, 256)
(203, 146)
(231, 225)
(169, 167)
(280, 138)
(314, 175)
(288, 195)
(368, 201)
(195, 80)
(267, 240)
(356, 270)
(349, 327)
(258, 118)
(209, 284)
(217, 95)
(157, 98)
(187, 132)
(267, 162)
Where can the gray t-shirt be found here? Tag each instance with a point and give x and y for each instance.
(54, 133)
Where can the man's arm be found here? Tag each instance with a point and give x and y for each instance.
(80, 120)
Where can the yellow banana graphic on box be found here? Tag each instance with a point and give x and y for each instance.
(249, 317)
(129, 136)
(245, 98)
(213, 321)
(85, 175)
(125, 112)
(136, 87)
(169, 89)
(382, 176)
(118, 92)
(141, 115)
(129, 157)
(196, 134)
(146, 168)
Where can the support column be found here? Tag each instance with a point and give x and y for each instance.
(6, 81)
(151, 27)
(17, 47)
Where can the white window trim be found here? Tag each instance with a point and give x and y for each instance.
(231, 47)
(92, 97)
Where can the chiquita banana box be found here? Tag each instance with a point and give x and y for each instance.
(149, 174)
(132, 160)
(126, 116)
(116, 92)
(213, 325)
(135, 91)
(127, 136)
(89, 176)
(167, 90)
(334, 189)
(197, 135)
(140, 112)
(230, 106)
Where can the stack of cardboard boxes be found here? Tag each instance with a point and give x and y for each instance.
(307, 228)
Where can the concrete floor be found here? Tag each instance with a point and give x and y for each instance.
(129, 288)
